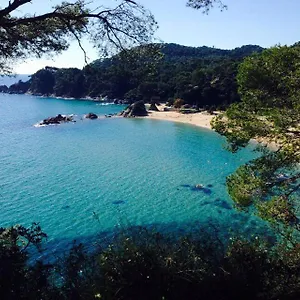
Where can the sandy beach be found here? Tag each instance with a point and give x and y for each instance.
(201, 119)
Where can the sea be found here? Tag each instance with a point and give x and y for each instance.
(84, 180)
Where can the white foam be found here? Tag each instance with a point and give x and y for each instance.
(104, 104)
(37, 125)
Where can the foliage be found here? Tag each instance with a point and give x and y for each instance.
(143, 264)
(17, 278)
(178, 103)
(19, 87)
(69, 83)
(111, 29)
(206, 5)
(269, 112)
(203, 76)
(42, 82)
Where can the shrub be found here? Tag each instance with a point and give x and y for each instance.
(143, 264)
(178, 103)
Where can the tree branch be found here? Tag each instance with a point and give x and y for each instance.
(12, 6)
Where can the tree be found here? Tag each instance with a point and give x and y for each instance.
(206, 5)
(69, 83)
(42, 82)
(18, 279)
(269, 112)
(125, 25)
(111, 29)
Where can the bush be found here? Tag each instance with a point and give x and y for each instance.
(143, 264)
(178, 103)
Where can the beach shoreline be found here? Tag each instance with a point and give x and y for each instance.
(200, 119)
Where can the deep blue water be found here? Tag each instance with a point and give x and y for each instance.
(81, 178)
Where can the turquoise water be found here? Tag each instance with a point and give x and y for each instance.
(80, 178)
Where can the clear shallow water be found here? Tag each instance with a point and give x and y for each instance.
(80, 178)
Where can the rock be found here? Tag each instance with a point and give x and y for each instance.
(91, 116)
(153, 107)
(3, 89)
(137, 109)
(199, 186)
(57, 120)
(186, 106)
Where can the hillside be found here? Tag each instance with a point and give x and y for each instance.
(201, 76)
(9, 80)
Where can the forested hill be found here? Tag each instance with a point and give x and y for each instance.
(201, 76)
(175, 51)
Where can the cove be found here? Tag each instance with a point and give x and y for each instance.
(79, 179)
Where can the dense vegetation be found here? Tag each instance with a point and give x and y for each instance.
(140, 264)
(143, 264)
(200, 76)
(270, 112)
(112, 28)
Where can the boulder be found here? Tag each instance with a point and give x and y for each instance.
(199, 186)
(57, 120)
(153, 107)
(186, 106)
(91, 116)
(137, 109)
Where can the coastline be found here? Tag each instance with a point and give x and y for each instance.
(201, 119)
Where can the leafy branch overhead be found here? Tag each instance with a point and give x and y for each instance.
(269, 112)
(206, 5)
(125, 25)
(111, 29)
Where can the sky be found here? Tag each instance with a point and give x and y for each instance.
(259, 22)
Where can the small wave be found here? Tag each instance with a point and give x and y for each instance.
(104, 104)
(37, 125)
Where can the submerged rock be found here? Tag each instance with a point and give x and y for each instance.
(117, 202)
(199, 186)
(91, 116)
(202, 188)
(137, 109)
(57, 120)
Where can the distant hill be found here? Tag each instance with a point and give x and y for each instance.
(9, 80)
(172, 51)
(201, 76)
(180, 53)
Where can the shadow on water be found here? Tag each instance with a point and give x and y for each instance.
(118, 202)
(66, 207)
(211, 228)
(199, 188)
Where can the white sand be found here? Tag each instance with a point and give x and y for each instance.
(201, 119)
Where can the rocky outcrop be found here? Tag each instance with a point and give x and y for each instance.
(153, 107)
(119, 101)
(91, 116)
(137, 109)
(57, 120)
(3, 89)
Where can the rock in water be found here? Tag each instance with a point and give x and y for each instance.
(91, 116)
(137, 109)
(56, 120)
